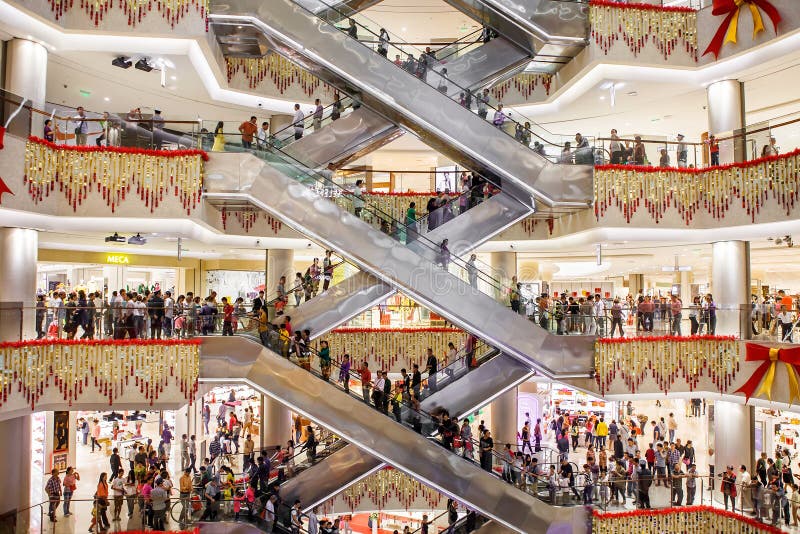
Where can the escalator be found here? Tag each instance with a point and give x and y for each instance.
(554, 31)
(292, 194)
(237, 359)
(362, 291)
(413, 103)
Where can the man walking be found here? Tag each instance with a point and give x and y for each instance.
(248, 129)
(53, 490)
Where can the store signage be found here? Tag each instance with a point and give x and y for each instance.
(119, 259)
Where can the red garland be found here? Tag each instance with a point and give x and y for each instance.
(742, 165)
(122, 150)
(195, 530)
(642, 7)
(397, 330)
(688, 510)
(676, 339)
(96, 342)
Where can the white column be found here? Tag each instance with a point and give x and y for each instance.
(504, 265)
(19, 250)
(733, 438)
(279, 263)
(726, 114)
(730, 286)
(26, 71)
(276, 423)
(504, 419)
(15, 464)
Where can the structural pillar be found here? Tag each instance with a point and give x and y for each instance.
(504, 265)
(15, 464)
(26, 70)
(280, 262)
(730, 287)
(635, 284)
(732, 419)
(504, 419)
(726, 116)
(278, 122)
(276, 422)
(683, 279)
(19, 250)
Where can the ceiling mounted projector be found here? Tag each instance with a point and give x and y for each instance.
(116, 238)
(137, 240)
(122, 62)
(142, 64)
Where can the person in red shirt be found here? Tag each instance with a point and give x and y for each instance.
(650, 456)
(227, 317)
(366, 380)
(713, 147)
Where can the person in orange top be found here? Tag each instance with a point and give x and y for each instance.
(101, 503)
(248, 129)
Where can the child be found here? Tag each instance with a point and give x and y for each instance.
(237, 504)
(250, 497)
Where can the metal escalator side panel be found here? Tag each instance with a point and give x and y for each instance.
(484, 65)
(346, 135)
(439, 121)
(330, 476)
(479, 387)
(380, 436)
(474, 227)
(340, 303)
(519, 34)
(493, 527)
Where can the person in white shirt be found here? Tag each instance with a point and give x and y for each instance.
(169, 313)
(744, 484)
(313, 522)
(298, 122)
(269, 516)
(599, 315)
(118, 493)
(262, 136)
(784, 319)
(297, 519)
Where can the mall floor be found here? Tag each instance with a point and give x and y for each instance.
(90, 465)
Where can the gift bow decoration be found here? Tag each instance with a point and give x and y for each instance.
(770, 356)
(729, 28)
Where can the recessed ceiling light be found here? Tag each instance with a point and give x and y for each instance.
(107, 99)
(602, 98)
(404, 28)
(173, 78)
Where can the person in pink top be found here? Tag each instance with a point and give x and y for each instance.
(96, 434)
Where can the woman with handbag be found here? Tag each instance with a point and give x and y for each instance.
(101, 503)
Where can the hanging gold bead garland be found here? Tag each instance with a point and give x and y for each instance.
(679, 520)
(387, 483)
(283, 73)
(113, 172)
(173, 11)
(752, 184)
(666, 359)
(636, 24)
(393, 348)
(29, 368)
(248, 217)
(525, 84)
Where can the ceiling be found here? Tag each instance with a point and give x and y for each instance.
(415, 21)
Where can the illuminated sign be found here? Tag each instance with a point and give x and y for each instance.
(119, 259)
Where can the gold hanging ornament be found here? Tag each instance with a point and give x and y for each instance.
(281, 71)
(668, 28)
(173, 11)
(525, 84)
(78, 171)
(387, 483)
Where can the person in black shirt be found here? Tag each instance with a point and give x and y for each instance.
(416, 381)
(155, 308)
(644, 481)
(566, 472)
(258, 302)
(431, 367)
(487, 445)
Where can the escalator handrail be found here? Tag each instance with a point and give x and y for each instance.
(346, 102)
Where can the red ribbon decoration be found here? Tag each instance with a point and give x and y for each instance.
(769, 356)
(731, 9)
(3, 187)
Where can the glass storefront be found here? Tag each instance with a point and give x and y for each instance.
(98, 277)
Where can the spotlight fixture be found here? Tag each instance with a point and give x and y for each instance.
(122, 62)
(137, 240)
(116, 238)
(144, 65)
